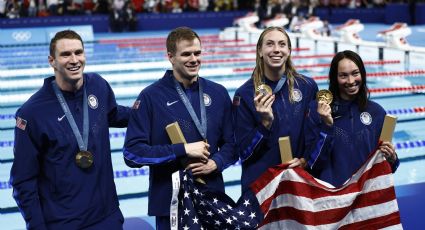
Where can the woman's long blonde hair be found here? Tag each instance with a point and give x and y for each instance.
(290, 72)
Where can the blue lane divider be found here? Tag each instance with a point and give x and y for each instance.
(410, 144)
(117, 174)
(5, 185)
(7, 116)
(117, 134)
(4, 144)
(144, 171)
(390, 111)
(398, 145)
(400, 111)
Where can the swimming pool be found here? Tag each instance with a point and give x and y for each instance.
(133, 62)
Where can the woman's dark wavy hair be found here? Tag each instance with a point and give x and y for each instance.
(363, 94)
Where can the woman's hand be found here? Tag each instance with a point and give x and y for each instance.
(388, 150)
(263, 105)
(297, 162)
(325, 113)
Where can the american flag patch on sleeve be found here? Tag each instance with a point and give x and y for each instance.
(21, 123)
(136, 104)
(236, 100)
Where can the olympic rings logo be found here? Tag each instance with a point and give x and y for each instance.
(21, 36)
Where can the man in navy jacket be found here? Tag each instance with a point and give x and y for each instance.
(203, 110)
(62, 174)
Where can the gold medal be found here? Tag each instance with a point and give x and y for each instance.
(325, 96)
(263, 89)
(84, 159)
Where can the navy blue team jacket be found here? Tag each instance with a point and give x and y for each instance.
(257, 146)
(335, 153)
(51, 191)
(147, 142)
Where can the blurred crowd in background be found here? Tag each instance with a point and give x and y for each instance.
(124, 12)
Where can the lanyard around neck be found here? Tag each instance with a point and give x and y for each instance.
(279, 85)
(200, 125)
(82, 141)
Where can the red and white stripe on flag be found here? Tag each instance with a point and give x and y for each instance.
(21, 123)
(293, 199)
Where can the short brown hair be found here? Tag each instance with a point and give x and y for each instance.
(64, 34)
(179, 34)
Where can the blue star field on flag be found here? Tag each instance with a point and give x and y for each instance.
(201, 207)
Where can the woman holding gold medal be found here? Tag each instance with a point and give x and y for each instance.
(343, 126)
(271, 104)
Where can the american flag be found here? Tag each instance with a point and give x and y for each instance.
(21, 123)
(293, 199)
(200, 207)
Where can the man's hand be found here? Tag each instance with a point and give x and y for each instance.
(199, 168)
(263, 105)
(198, 150)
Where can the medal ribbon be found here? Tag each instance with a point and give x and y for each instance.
(200, 125)
(82, 145)
(279, 85)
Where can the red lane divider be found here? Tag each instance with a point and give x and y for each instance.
(317, 78)
(159, 49)
(397, 73)
(415, 88)
(229, 60)
(419, 109)
(382, 74)
(313, 56)
(300, 49)
(228, 52)
(248, 69)
(366, 63)
(161, 43)
(253, 52)
(414, 110)
(149, 39)
(162, 49)
(253, 60)
(382, 62)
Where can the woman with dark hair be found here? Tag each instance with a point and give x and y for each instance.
(341, 135)
(271, 104)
